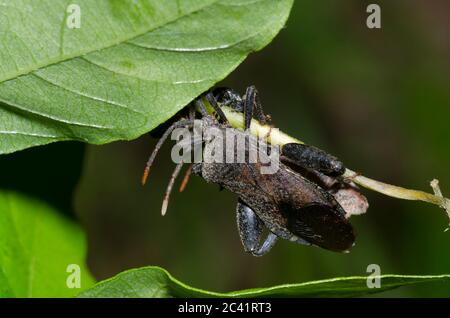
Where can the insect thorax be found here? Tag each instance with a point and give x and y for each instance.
(227, 151)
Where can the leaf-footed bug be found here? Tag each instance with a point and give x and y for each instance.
(289, 204)
(323, 168)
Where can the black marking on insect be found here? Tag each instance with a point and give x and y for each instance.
(290, 205)
(313, 163)
(312, 158)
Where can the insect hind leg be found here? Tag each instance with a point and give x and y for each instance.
(213, 102)
(253, 107)
(249, 104)
(310, 157)
(250, 228)
(267, 245)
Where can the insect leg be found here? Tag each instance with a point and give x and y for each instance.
(201, 107)
(250, 229)
(267, 245)
(191, 111)
(249, 103)
(253, 107)
(213, 102)
(250, 106)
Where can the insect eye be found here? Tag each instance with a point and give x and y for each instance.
(337, 168)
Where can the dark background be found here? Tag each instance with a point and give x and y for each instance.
(377, 99)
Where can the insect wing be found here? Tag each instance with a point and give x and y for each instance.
(321, 225)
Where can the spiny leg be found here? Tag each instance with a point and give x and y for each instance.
(213, 102)
(253, 107)
(313, 158)
(175, 174)
(248, 106)
(250, 226)
(201, 107)
(191, 112)
(267, 245)
(250, 229)
(161, 141)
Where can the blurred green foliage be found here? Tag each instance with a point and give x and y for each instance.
(378, 99)
(40, 249)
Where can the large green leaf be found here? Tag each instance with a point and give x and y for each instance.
(157, 282)
(131, 65)
(37, 245)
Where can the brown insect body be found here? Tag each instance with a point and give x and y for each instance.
(290, 206)
(297, 201)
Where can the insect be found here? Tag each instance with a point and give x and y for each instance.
(295, 203)
(317, 165)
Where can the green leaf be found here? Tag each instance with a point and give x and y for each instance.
(37, 245)
(157, 282)
(131, 65)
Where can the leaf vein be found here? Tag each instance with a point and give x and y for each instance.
(58, 85)
(51, 117)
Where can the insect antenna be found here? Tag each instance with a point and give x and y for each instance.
(186, 178)
(175, 174)
(189, 170)
(180, 123)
